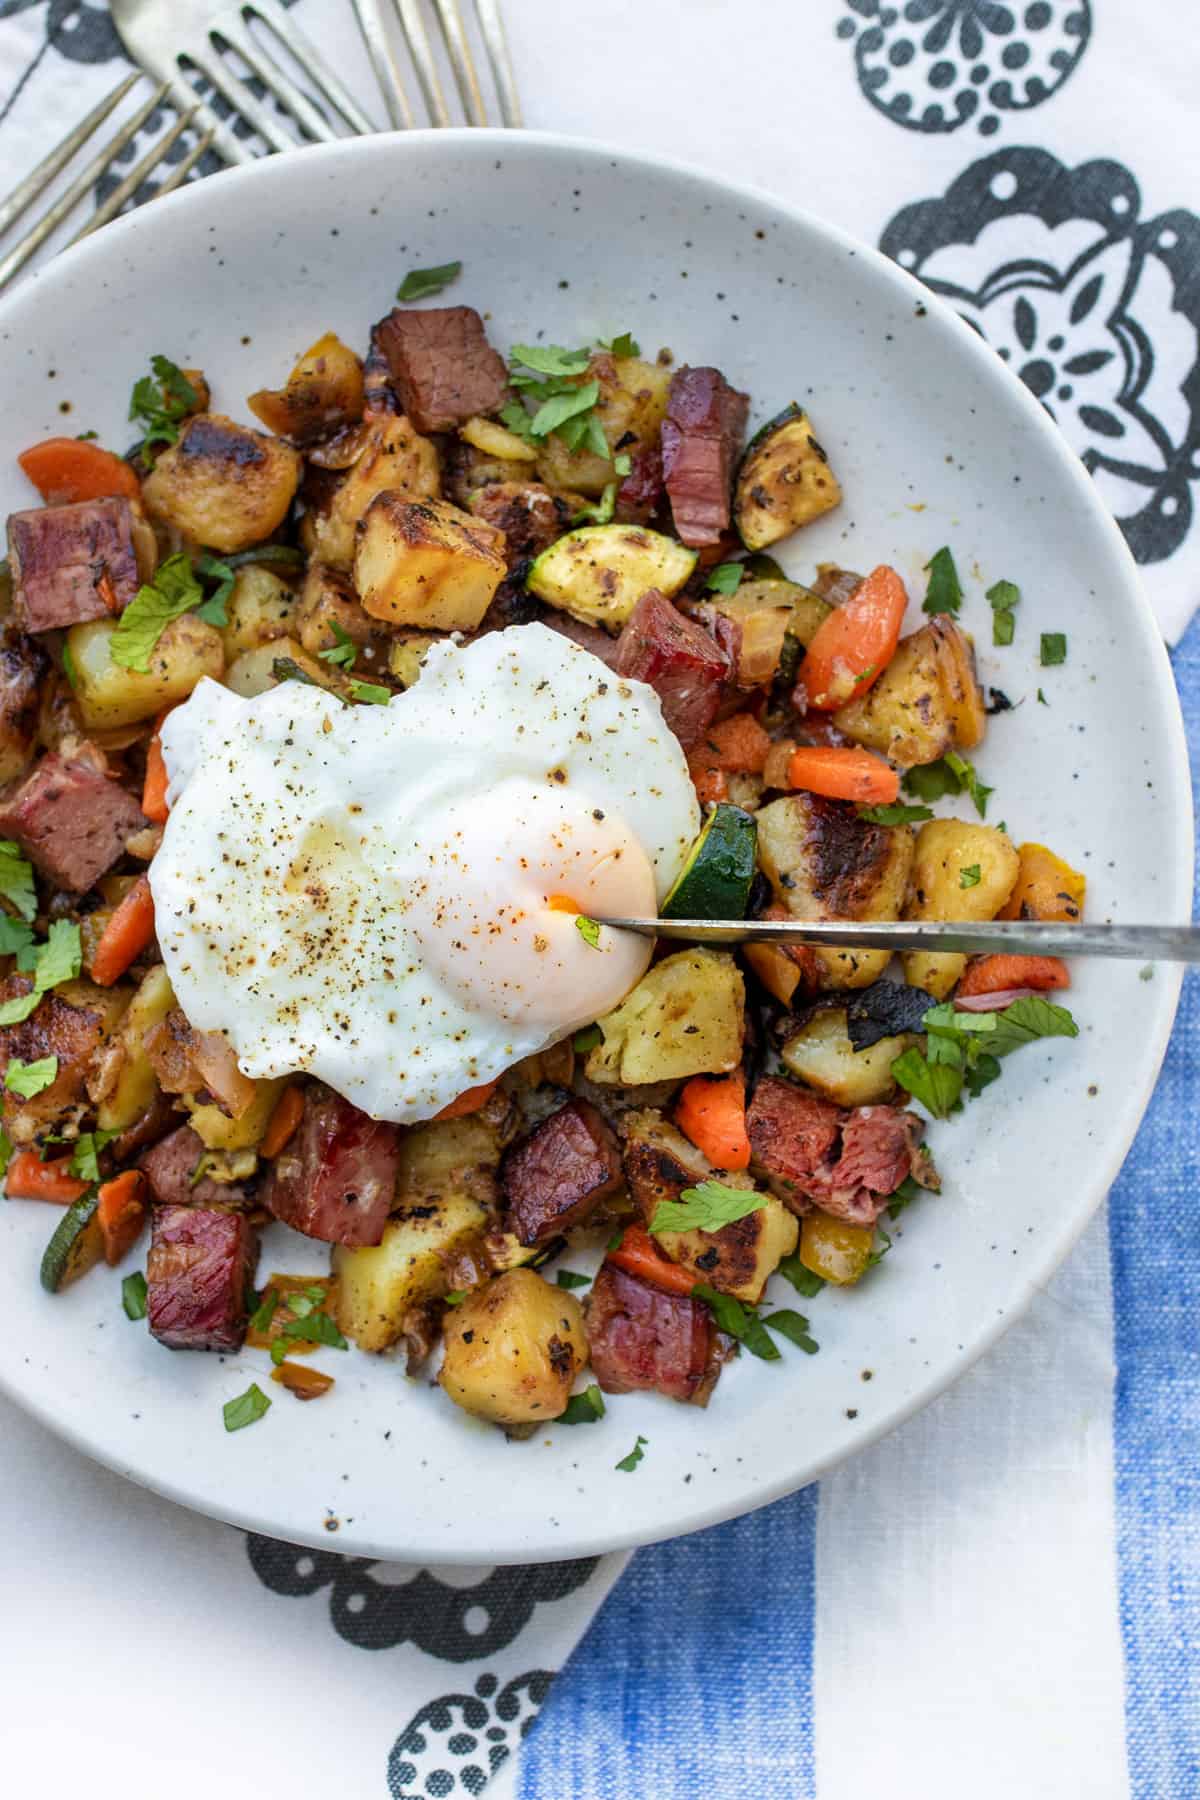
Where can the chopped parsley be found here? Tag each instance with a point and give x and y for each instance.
(546, 359)
(161, 401)
(1042, 700)
(1003, 596)
(370, 693)
(944, 593)
(963, 1049)
(970, 877)
(286, 668)
(260, 1319)
(246, 1409)
(587, 1039)
(741, 1322)
(308, 1325)
(624, 344)
(598, 512)
(726, 578)
(69, 669)
(28, 1079)
(706, 1207)
(936, 1085)
(951, 774)
(16, 879)
(1054, 649)
(585, 1409)
(343, 652)
(567, 1278)
(419, 284)
(801, 1276)
(897, 814)
(456, 1296)
(588, 930)
(794, 1327)
(551, 377)
(623, 464)
(215, 568)
(173, 592)
(58, 959)
(133, 1295)
(629, 1463)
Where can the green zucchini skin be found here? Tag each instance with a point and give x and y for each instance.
(598, 573)
(793, 410)
(715, 881)
(784, 481)
(75, 1244)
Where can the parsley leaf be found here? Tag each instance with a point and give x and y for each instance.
(1003, 596)
(16, 939)
(286, 668)
(1027, 1019)
(588, 930)
(937, 1085)
(599, 512)
(215, 568)
(313, 1328)
(1042, 700)
(741, 1322)
(587, 1039)
(246, 1409)
(623, 464)
(60, 957)
(800, 1276)
(978, 1074)
(16, 879)
(419, 284)
(28, 1079)
(794, 1326)
(343, 652)
(370, 693)
(944, 593)
(1002, 629)
(951, 774)
(622, 345)
(560, 407)
(970, 877)
(160, 401)
(968, 779)
(908, 1191)
(898, 814)
(133, 1295)
(567, 1278)
(706, 1207)
(549, 359)
(1054, 649)
(585, 1409)
(456, 1296)
(629, 1463)
(173, 592)
(260, 1319)
(726, 578)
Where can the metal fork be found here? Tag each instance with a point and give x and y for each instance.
(185, 38)
(373, 21)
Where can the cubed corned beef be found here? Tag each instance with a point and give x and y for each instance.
(679, 660)
(792, 1134)
(442, 367)
(336, 1180)
(643, 1337)
(70, 819)
(881, 1145)
(198, 1276)
(72, 563)
(642, 489)
(170, 1168)
(701, 435)
(558, 1175)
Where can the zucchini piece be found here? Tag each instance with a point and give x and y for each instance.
(77, 1244)
(600, 572)
(715, 880)
(784, 482)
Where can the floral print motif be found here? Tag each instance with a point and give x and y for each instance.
(452, 1746)
(934, 65)
(1095, 308)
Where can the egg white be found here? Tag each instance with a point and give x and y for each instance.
(360, 893)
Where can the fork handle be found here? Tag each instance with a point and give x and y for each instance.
(369, 14)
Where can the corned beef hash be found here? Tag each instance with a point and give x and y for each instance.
(327, 744)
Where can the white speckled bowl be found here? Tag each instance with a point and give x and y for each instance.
(934, 442)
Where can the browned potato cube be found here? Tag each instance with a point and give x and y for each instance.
(324, 392)
(222, 484)
(425, 563)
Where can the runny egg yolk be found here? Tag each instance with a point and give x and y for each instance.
(498, 916)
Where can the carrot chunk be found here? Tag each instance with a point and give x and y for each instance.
(854, 644)
(125, 936)
(711, 1111)
(843, 774)
(65, 469)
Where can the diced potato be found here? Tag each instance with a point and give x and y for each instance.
(631, 408)
(927, 700)
(406, 656)
(824, 862)
(1046, 888)
(839, 1253)
(947, 850)
(446, 1156)
(253, 672)
(513, 1349)
(823, 1057)
(260, 609)
(425, 563)
(496, 440)
(324, 392)
(327, 600)
(137, 1084)
(108, 694)
(684, 1017)
(223, 484)
(375, 1287)
(219, 1132)
(395, 458)
(785, 481)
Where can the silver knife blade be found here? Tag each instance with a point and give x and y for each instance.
(1023, 937)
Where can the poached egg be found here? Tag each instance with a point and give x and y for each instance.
(387, 896)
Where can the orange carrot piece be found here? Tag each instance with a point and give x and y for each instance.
(125, 936)
(154, 792)
(281, 1126)
(991, 974)
(65, 469)
(711, 1111)
(709, 781)
(637, 1255)
(736, 746)
(843, 774)
(469, 1102)
(121, 1213)
(29, 1178)
(852, 647)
